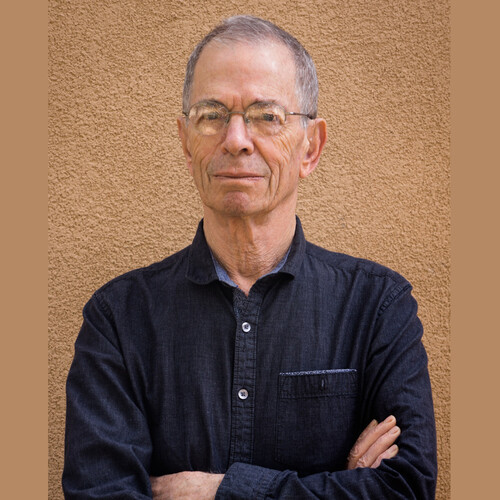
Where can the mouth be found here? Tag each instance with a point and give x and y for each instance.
(236, 176)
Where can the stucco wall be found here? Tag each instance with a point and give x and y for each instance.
(120, 196)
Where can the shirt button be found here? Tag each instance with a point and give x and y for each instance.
(246, 327)
(243, 394)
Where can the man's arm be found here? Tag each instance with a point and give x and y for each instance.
(373, 445)
(107, 443)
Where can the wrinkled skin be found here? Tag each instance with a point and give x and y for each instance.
(236, 173)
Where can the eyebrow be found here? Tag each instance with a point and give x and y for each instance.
(210, 101)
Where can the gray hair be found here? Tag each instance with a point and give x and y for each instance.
(254, 30)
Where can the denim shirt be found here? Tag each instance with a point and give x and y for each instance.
(167, 378)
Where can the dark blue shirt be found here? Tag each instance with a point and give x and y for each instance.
(175, 370)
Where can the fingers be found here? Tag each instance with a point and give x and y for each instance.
(390, 453)
(379, 447)
(363, 443)
(373, 431)
(374, 444)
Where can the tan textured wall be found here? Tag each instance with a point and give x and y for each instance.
(120, 196)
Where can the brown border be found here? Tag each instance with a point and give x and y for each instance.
(475, 277)
(24, 249)
(474, 249)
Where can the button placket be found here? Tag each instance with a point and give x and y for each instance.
(242, 413)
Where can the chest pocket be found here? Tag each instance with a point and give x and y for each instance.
(316, 419)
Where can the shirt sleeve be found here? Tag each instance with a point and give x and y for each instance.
(107, 442)
(395, 381)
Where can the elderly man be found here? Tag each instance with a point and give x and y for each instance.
(251, 364)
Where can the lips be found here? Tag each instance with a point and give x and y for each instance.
(237, 175)
(225, 169)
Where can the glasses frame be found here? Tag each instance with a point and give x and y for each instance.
(243, 113)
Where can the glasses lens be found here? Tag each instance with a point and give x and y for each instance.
(208, 118)
(265, 118)
(262, 118)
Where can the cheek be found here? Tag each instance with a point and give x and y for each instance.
(202, 152)
(284, 144)
(282, 155)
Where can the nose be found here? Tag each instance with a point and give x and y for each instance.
(237, 139)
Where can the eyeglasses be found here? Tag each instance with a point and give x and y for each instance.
(261, 118)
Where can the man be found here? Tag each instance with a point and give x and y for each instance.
(248, 364)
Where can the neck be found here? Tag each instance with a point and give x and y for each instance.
(248, 247)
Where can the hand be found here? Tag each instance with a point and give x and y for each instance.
(188, 485)
(374, 444)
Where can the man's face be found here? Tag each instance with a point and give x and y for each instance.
(238, 173)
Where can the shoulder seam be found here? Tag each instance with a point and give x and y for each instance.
(389, 273)
(397, 291)
(148, 269)
(102, 304)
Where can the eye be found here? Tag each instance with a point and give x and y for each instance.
(206, 113)
(208, 118)
(210, 115)
(268, 117)
(266, 114)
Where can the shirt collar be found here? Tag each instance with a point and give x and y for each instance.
(225, 278)
(202, 266)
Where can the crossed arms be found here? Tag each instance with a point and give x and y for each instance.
(112, 451)
(375, 444)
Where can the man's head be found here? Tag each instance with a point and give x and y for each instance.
(253, 30)
(245, 158)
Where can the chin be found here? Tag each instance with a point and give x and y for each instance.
(237, 206)
(235, 210)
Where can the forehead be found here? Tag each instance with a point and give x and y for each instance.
(241, 73)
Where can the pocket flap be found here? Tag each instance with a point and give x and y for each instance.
(312, 384)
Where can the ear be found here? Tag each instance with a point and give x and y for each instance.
(316, 138)
(182, 127)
